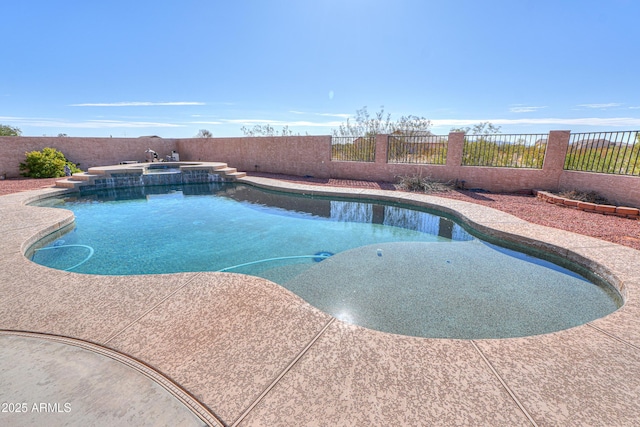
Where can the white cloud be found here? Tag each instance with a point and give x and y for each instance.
(253, 122)
(206, 123)
(136, 104)
(586, 121)
(88, 124)
(525, 109)
(601, 106)
(343, 116)
(117, 124)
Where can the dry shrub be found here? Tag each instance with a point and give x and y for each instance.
(584, 196)
(424, 184)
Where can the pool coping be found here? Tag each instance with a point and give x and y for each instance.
(270, 358)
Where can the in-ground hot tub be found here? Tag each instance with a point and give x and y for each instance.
(153, 174)
(162, 168)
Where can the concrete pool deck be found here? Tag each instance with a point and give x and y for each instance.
(238, 350)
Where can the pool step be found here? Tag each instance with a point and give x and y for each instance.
(67, 183)
(218, 165)
(83, 176)
(231, 173)
(227, 170)
(87, 178)
(77, 180)
(235, 175)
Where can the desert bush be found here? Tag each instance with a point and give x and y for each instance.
(6, 130)
(48, 163)
(424, 184)
(622, 160)
(584, 196)
(366, 125)
(486, 152)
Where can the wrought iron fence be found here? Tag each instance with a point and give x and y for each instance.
(421, 149)
(353, 149)
(511, 151)
(604, 152)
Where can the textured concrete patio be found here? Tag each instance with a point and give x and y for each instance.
(237, 350)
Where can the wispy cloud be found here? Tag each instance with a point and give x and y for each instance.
(525, 108)
(136, 104)
(343, 116)
(586, 121)
(207, 123)
(601, 106)
(291, 123)
(87, 124)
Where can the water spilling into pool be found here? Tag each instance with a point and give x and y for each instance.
(382, 266)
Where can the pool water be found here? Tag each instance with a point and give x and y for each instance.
(382, 266)
(221, 226)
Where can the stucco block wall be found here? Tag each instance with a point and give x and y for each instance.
(311, 156)
(619, 189)
(89, 152)
(294, 155)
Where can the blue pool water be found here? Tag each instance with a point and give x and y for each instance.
(220, 226)
(381, 266)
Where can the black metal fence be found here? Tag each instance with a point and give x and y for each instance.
(353, 149)
(420, 149)
(604, 152)
(512, 151)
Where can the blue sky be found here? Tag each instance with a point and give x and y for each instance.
(169, 68)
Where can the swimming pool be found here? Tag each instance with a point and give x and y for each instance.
(382, 266)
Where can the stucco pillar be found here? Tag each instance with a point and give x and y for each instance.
(381, 148)
(455, 147)
(554, 157)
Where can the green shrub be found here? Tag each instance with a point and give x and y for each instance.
(48, 163)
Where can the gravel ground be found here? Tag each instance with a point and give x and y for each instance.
(14, 185)
(611, 228)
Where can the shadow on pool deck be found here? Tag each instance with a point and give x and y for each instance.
(56, 381)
